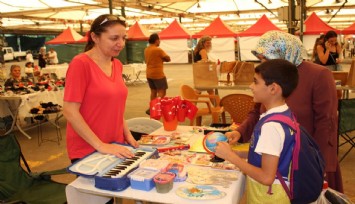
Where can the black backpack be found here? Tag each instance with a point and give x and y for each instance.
(307, 167)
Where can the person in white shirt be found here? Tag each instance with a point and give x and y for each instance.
(52, 55)
(29, 57)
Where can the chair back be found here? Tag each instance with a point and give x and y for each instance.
(188, 93)
(238, 106)
(351, 76)
(342, 76)
(244, 75)
(346, 125)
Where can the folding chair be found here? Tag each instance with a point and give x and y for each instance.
(142, 125)
(19, 186)
(346, 124)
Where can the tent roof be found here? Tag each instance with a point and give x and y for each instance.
(217, 28)
(68, 36)
(85, 38)
(137, 32)
(349, 30)
(260, 27)
(315, 26)
(174, 31)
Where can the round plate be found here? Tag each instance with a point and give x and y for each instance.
(199, 192)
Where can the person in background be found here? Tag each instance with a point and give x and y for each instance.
(95, 94)
(319, 41)
(155, 58)
(315, 104)
(29, 57)
(15, 81)
(330, 51)
(52, 56)
(2, 58)
(42, 59)
(273, 142)
(203, 47)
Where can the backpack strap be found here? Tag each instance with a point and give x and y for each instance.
(292, 123)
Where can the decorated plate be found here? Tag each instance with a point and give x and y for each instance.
(199, 192)
(154, 140)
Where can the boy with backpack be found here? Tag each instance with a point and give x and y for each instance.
(272, 144)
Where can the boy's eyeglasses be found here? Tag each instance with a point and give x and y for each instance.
(113, 18)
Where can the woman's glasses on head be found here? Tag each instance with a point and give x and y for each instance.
(113, 18)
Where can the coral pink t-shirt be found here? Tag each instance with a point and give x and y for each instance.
(102, 100)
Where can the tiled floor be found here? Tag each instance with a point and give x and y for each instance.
(51, 156)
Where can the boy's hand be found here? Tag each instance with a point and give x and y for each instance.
(223, 150)
(233, 137)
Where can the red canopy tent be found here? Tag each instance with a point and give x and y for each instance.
(216, 29)
(174, 31)
(68, 36)
(315, 26)
(259, 28)
(85, 38)
(249, 37)
(137, 32)
(349, 30)
(174, 41)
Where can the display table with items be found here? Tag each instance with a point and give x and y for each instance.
(19, 106)
(182, 173)
(60, 70)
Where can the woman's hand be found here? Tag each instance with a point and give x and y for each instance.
(130, 140)
(328, 45)
(115, 149)
(233, 137)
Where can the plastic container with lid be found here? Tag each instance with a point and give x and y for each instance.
(142, 179)
(164, 182)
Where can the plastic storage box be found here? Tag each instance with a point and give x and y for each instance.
(142, 179)
(164, 182)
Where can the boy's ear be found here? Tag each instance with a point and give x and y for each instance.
(275, 88)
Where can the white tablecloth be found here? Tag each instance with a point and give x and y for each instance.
(60, 70)
(28, 101)
(82, 190)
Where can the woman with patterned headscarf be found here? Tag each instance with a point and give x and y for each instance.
(314, 101)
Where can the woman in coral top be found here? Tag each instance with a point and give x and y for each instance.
(95, 94)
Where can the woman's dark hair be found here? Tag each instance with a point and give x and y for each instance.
(100, 25)
(330, 34)
(281, 72)
(152, 38)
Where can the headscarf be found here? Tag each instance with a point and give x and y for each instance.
(280, 45)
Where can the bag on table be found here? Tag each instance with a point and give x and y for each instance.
(307, 167)
(205, 74)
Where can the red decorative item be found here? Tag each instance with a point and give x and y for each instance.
(172, 109)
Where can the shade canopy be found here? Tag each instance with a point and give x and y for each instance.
(262, 26)
(68, 36)
(174, 31)
(216, 29)
(315, 26)
(137, 32)
(349, 30)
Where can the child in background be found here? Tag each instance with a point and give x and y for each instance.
(272, 143)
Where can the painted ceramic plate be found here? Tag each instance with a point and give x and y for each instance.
(154, 140)
(200, 192)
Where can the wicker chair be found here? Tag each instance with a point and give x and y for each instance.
(188, 93)
(238, 106)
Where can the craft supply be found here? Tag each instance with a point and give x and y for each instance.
(172, 148)
(142, 179)
(110, 172)
(164, 182)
